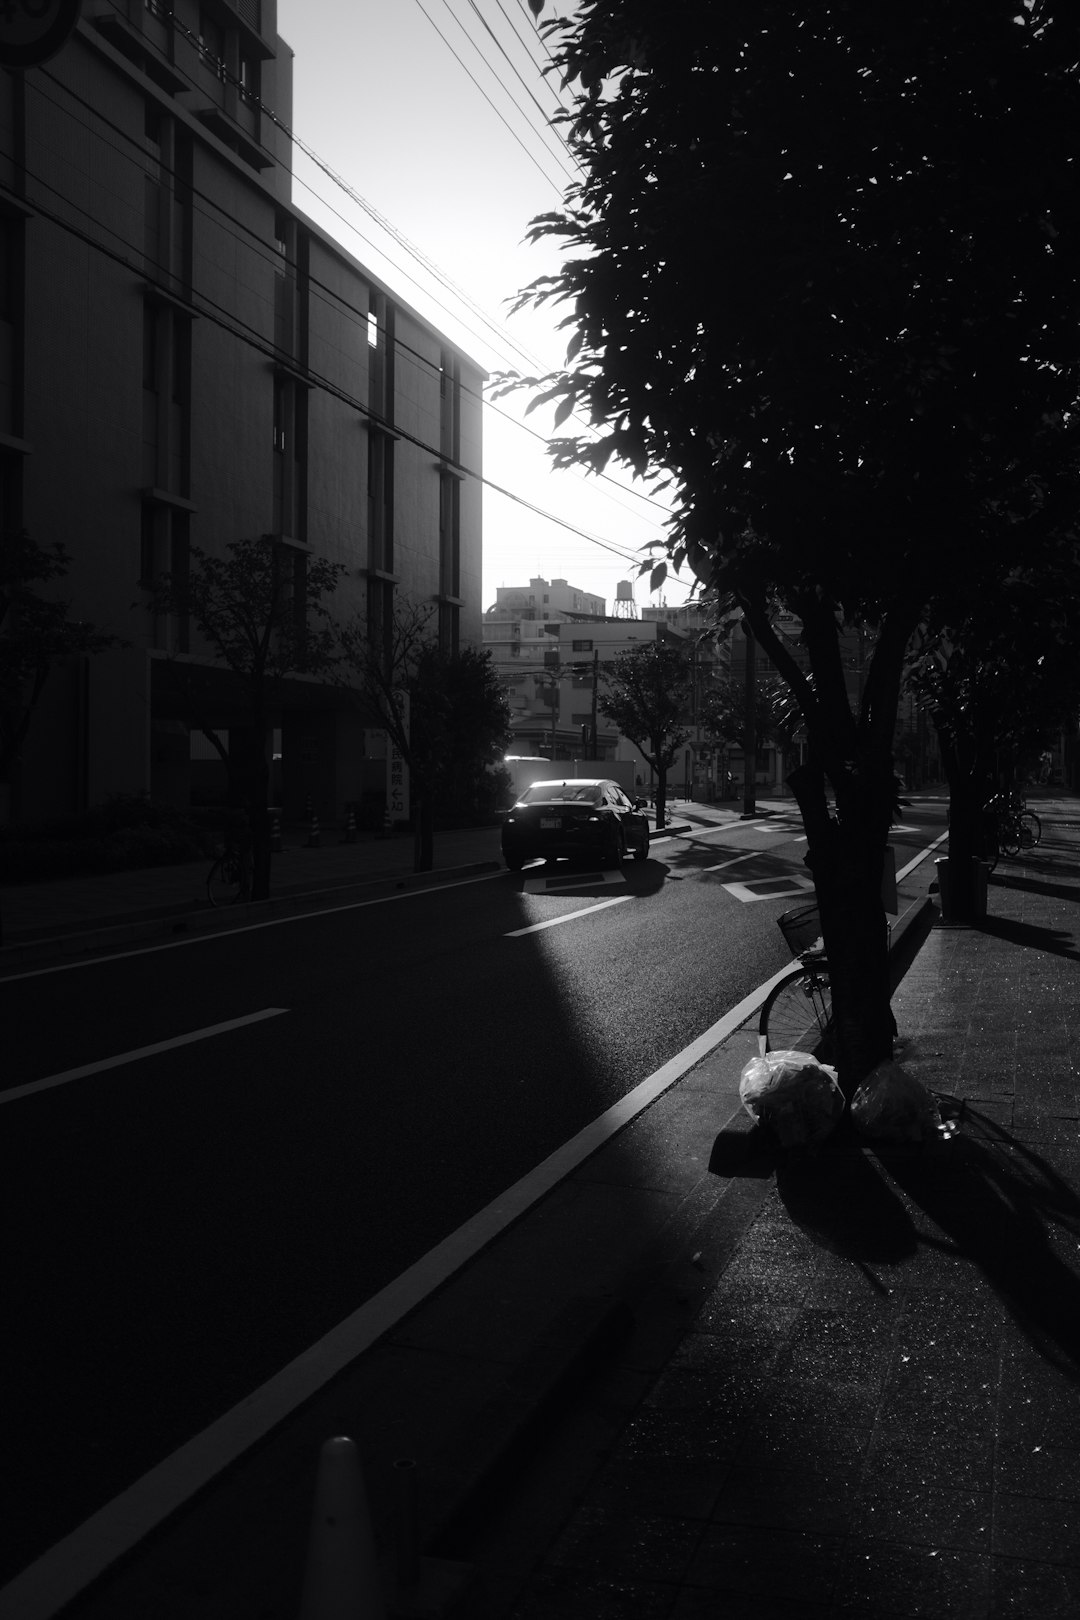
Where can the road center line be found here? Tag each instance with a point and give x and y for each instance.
(139, 1052)
(586, 911)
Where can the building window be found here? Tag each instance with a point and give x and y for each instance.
(249, 77)
(212, 43)
(581, 646)
(450, 407)
(289, 440)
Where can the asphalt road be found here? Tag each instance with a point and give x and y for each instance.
(181, 1224)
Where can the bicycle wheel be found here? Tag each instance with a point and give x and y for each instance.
(1030, 830)
(1011, 838)
(797, 1013)
(224, 881)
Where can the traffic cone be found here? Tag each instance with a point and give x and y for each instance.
(350, 827)
(314, 840)
(341, 1581)
(276, 845)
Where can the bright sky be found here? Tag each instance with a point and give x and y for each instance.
(455, 154)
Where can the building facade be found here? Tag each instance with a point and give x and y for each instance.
(186, 359)
(550, 643)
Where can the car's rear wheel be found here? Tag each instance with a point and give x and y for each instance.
(616, 852)
(514, 862)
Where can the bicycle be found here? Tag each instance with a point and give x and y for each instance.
(1009, 827)
(798, 1008)
(227, 879)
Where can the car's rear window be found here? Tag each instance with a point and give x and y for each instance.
(562, 793)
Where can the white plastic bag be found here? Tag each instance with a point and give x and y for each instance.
(797, 1097)
(892, 1106)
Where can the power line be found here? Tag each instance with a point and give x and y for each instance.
(490, 103)
(501, 47)
(234, 227)
(237, 328)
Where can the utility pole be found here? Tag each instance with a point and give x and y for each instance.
(595, 679)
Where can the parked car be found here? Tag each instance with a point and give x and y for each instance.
(586, 817)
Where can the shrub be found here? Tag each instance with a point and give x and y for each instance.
(125, 832)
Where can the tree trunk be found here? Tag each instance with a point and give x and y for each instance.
(250, 770)
(967, 829)
(661, 797)
(846, 856)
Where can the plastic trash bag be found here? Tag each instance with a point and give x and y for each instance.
(892, 1106)
(797, 1097)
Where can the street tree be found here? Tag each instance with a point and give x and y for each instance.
(447, 713)
(647, 694)
(722, 711)
(261, 613)
(994, 682)
(36, 634)
(861, 387)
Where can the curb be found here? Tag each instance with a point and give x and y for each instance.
(510, 1429)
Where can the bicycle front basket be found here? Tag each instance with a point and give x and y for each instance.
(800, 927)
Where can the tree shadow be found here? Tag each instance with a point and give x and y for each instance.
(996, 1201)
(1056, 891)
(1056, 941)
(993, 1200)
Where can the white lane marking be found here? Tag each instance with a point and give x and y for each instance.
(252, 928)
(780, 888)
(734, 861)
(911, 865)
(569, 916)
(60, 1574)
(137, 1053)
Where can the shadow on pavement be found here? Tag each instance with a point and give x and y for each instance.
(1058, 941)
(995, 1201)
(1056, 891)
(992, 1202)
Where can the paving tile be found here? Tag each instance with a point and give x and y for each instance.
(1026, 1589)
(956, 1458)
(1040, 1528)
(660, 1485)
(819, 1503)
(635, 1546)
(924, 1514)
(704, 1603)
(883, 1577)
(756, 1560)
(571, 1594)
(1038, 1470)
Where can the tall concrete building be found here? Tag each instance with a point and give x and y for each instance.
(187, 359)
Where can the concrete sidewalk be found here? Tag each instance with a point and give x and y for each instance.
(875, 1410)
